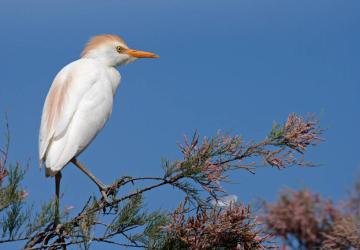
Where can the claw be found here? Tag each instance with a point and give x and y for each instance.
(105, 197)
(105, 191)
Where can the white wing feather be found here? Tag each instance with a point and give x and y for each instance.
(77, 106)
(61, 102)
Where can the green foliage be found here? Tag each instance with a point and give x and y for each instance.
(129, 215)
(276, 132)
(10, 190)
(154, 234)
(85, 225)
(13, 220)
(11, 203)
(16, 216)
(42, 218)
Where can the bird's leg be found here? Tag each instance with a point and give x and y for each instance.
(101, 186)
(57, 201)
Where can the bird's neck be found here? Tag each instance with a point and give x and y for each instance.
(105, 59)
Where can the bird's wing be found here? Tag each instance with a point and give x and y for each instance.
(67, 89)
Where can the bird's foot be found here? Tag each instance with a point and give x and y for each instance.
(105, 192)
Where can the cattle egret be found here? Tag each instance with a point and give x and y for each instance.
(79, 103)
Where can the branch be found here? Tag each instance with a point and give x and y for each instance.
(204, 166)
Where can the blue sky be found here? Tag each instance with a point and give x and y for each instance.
(230, 65)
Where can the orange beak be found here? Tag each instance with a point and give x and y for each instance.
(140, 54)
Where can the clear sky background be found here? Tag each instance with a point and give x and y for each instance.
(232, 65)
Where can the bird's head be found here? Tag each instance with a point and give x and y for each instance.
(112, 50)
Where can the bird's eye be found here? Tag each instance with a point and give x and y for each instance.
(120, 49)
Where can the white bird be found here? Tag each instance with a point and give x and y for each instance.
(80, 102)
